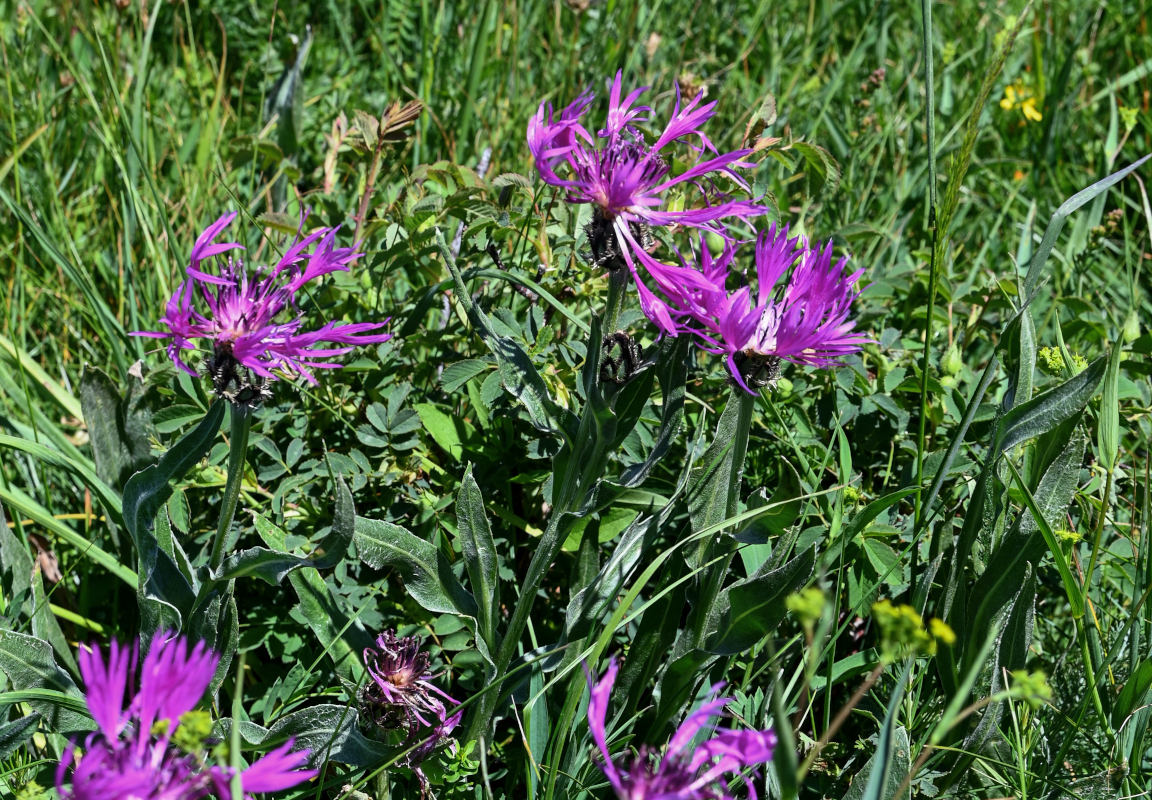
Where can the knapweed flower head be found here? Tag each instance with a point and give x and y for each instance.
(683, 771)
(797, 309)
(626, 180)
(401, 697)
(150, 743)
(249, 317)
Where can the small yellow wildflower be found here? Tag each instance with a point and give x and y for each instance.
(1066, 535)
(195, 727)
(1031, 687)
(1019, 95)
(1051, 360)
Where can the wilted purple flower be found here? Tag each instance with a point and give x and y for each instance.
(625, 179)
(401, 696)
(241, 307)
(152, 747)
(798, 310)
(681, 773)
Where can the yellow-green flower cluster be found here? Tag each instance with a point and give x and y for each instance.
(807, 605)
(1030, 687)
(903, 634)
(1019, 95)
(1052, 361)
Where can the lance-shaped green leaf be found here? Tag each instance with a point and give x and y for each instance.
(1133, 693)
(270, 565)
(748, 610)
(1056, 224)
(118, 426)
(14, 734)
(672, 372)
(29, 664)
(331, 733)
(1008, 563)
(166, 593)
(892, 758)
(1045, 411)
(1011, 653)
(427, 574)
(714, 483)
(1108, 427)
(480, 558)
(150, 488)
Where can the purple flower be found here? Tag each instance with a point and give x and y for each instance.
(798, 310)
(150, 745)
(625, 179)
(682, 772)
(241, 311)
(401, 698)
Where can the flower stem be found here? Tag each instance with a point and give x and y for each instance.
(581, 470)
(238, 449)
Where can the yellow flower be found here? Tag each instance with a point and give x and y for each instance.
(1018, 95)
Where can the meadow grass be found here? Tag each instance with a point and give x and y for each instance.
(1009, 380)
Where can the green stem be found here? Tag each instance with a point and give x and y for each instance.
(933, 270)
(238, 449)
(583, 468)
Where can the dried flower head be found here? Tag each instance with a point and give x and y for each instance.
(626, 180)
(151, 745)
(242, 315)
(797, 309)
(680, 772)
(401, 697)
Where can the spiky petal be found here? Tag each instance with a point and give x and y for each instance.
(798, 309)
(249, 317)
(139, 710)
(681, 771)
(626, 180)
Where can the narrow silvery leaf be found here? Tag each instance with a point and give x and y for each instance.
(480, 558)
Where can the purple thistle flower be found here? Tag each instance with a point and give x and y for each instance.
(681, 773)
(625, 179)
(241, 308)
(400, 697)
(142, 748)
(798, 310)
